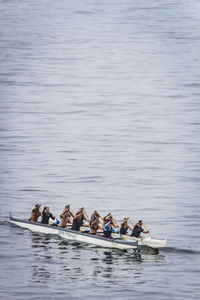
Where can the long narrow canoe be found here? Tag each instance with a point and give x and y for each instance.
(116, 243)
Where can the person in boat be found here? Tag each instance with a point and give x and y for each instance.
(107, 218)
(64, 220)
(125, 227)
(95, 215)
(95, 225)
(66, 216)
(79, 219)
(137, 230)
(109, 229)
(35, 213)
(46, 215)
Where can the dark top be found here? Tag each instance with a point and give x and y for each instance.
(46, 217)
(108, 230)
(77, 223)
(92, 219)
(94, 226)
(123, 230)
(136, 231)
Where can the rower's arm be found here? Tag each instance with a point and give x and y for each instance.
(52, 216)
(106, 225)
(78, 216)
(100, 227)
(114, 229)
(72, 215)
(86, 216)
(131, 229)
(92, 222)
(115, 225)
(86, 219)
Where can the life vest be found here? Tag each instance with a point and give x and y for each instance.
(77, 223)
(123, 230)
(46, 217)
(136, 231)
(94, 226)
(92, 219)
(107, 231)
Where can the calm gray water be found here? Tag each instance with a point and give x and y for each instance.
(100, 107)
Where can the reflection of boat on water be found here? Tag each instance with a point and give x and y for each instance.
(115, 243)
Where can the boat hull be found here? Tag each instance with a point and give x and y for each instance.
(146, 241)
(68, 234)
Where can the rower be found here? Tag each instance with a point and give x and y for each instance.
(36, 213)
(46, 215)
(94, 216)
(107, 218)
(64, 220)
(79, 218)
(68, 216)
(108, 229)
(137, 230)
(95, 225)
(124, 226)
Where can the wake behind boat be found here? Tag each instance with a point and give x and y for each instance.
(115, 243)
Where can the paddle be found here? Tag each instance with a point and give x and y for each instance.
(123, 238)
(147, 230)
(131, 223)
(73, 211)
(88, 220)
(114, 221)
(101, 218)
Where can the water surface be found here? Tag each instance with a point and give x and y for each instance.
(99, 107)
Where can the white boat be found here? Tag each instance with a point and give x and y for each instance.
(145, 241)
(116, 243)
